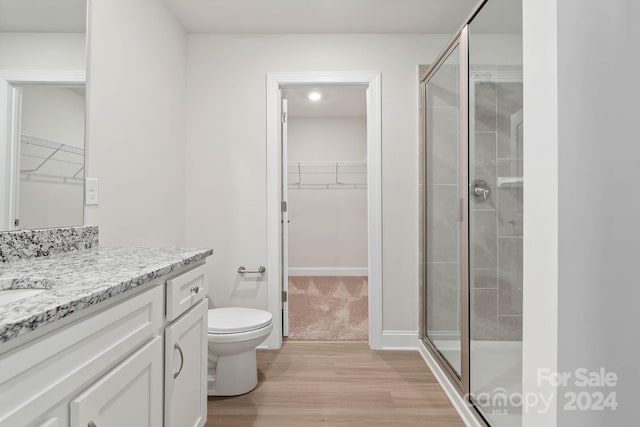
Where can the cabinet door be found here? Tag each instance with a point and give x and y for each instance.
(186, 369)
(129, 395)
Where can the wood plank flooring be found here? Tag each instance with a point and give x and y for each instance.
(337, 384)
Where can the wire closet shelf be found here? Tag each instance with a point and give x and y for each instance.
(327, 175)
(42, 159)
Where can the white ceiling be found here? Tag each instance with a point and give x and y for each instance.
(280, 16)
(337, 101)
(321, 16)
(43, 16)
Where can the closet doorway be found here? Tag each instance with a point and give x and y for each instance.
(279, 171)
(325, 186)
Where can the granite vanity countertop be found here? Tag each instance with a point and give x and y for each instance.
(76, 280)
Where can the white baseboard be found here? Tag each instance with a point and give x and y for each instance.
(328, 271)
(463, 409)
(399, 340)
(445, 336)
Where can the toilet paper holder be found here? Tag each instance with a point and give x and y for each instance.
(259, 270)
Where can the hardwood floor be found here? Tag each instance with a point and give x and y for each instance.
(337, 384)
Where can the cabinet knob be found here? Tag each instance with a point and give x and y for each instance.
(91, 424)
(195, 289)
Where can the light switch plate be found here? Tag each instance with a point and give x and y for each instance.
(91, 192)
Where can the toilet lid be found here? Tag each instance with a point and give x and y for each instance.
(230, 320)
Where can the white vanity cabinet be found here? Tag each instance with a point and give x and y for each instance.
(139, 361)
(39, 379)
(185, 378)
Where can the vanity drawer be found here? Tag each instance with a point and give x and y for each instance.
(184, 291)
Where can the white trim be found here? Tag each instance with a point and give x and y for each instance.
(453, 336)
(284, 218)
(9, 102)
(399, 340)
(465, 412)
(9, 123)
(43, 76)
(374, 190)
(328, 271)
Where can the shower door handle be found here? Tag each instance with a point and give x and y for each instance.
(481, 190)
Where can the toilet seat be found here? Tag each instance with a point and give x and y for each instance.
(236, 320)
(240, 337)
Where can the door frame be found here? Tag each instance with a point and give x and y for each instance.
(10, 126)
(459, 379)
(275, 82)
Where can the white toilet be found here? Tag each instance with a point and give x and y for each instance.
(233, 335)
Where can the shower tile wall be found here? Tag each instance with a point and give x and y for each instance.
(496, 232)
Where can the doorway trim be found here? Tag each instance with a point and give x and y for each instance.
(275, 81)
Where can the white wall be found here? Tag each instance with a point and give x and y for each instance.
(57, 114)
(50, 203)
(136, 123)
(42, 51)
(328, 227)
(53, 112)
(581, 266)
(598, 227)
(540, 226)
(226, 188)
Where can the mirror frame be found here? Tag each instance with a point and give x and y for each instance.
(9, 138)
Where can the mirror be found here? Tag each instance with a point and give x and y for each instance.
(42, 113)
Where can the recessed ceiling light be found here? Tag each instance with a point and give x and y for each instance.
(315, 96)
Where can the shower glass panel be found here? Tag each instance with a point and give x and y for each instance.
(495, 219)
(442, 299)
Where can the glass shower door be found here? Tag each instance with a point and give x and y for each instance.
(495, 225)
(443, 284)
(473, 187)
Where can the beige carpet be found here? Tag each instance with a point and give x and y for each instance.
(328, 308)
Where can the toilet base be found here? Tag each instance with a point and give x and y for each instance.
(233, 375)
